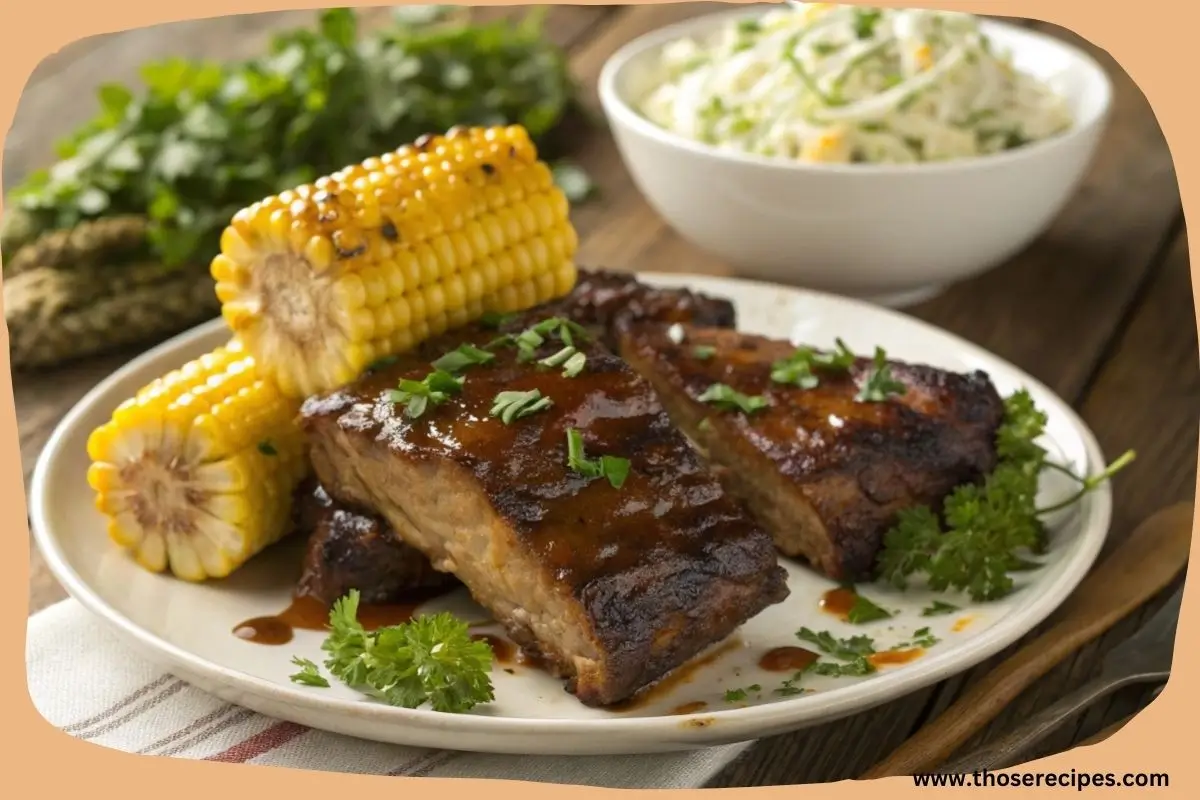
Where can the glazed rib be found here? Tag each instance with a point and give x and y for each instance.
(351, 549)
(614, 587)
(824, 473)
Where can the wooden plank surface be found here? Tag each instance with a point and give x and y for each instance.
(1100, 309)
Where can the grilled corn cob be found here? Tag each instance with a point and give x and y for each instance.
(364, 263)
(196, 471)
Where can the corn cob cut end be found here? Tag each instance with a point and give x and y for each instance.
(195, 473)
(324, 279)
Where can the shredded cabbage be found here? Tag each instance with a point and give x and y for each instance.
(827, 83)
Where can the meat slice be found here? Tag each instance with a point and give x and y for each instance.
(610, 301)
(823, 472)
(612, 587)
(350, 549)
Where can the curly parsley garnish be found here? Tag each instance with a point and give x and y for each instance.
(880, 383)
(615, 470)
(417, 396)
(511, 406)
(987, 526)
(726, 398)
(431, 659)
(798, 368)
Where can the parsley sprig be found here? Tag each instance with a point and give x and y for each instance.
(799, 369)
(417, 396)
(431, 659)
(986, 527)
(612, 468)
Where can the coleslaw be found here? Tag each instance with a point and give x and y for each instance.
(821, 82)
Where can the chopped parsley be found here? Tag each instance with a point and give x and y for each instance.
(466, 355)
(530, 339)
(864, 611)
(571, 360)
(938, 608)
(880, 383)
(798, 368)
(851, 654)
(381, 363)
(615, 470)
(417, 396)
(511, 406)
(726, 398)
(789, 688)
(495, 320)
(923, 637)
(574, 365)
(309, 674)
(844, 649)
(738, 695)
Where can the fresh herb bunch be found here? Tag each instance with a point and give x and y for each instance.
(429, 659)
(985, 527)
(204, 140)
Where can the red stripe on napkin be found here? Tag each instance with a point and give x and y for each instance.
(275, 736)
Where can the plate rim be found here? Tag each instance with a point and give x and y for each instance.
(680, 731)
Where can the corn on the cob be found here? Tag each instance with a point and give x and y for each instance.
(364, 263)
(196, 471)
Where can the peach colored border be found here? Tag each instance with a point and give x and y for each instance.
(43, 762)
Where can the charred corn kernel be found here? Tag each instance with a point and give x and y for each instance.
(380, 254)
(196, 471)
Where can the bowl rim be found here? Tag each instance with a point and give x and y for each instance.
(621, 111)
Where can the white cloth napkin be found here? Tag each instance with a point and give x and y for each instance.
(85, 682)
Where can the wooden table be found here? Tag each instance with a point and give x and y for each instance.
(1100, 309)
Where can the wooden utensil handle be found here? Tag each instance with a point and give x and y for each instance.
(1008, 749)
(1145, 563)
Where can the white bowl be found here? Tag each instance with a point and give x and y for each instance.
(893, 234)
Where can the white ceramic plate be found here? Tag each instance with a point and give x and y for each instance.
(188, 628)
